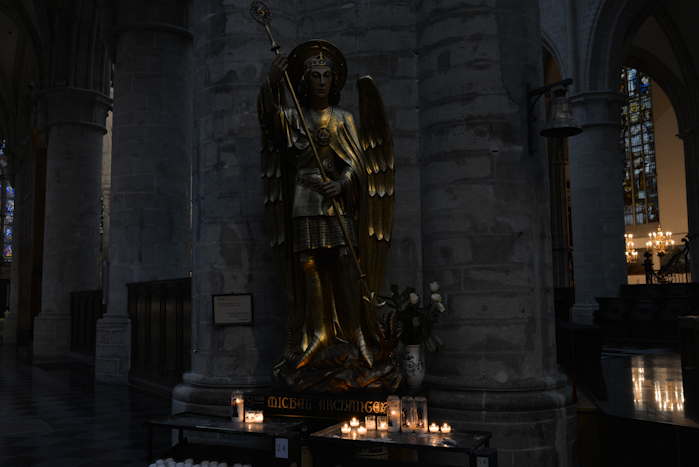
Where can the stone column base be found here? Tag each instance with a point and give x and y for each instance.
(584, 313)
(530, 427)
(113, 349)
(209, 395)
(9, 329)
(51, 337)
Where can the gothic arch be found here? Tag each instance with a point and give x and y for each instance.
(550, 47)
(673, 86)
(614, 24)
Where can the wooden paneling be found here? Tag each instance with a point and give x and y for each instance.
(85, 309)
(646, 313)
(160, 313)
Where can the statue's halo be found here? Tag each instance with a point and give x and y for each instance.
(301, 52)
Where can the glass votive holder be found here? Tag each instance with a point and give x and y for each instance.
(250, 416)
(382, 423)
(421, 421)
(370, 422)
(259, 416)
(361, 430)
(345, 429)
(445, 428)
(354, 422)
(393, 411)
(408, 414)
(434, 428)
(237, 406)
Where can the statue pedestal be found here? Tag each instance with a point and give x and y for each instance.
(339, 368)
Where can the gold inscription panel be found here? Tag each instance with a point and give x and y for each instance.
(323, 406)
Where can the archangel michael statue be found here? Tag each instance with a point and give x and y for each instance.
(328, 225)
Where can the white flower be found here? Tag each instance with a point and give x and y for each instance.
(414, 298)
(434, 286)
(440, 307)
(437, 298)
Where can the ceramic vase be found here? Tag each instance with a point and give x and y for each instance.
(414, 366)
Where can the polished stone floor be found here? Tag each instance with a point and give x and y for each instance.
(647, 385)
(57, 416)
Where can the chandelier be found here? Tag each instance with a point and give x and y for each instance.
(630, 252)
(659, 241)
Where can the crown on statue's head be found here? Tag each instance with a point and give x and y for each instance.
(318, 60)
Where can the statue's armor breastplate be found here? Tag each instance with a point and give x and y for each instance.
(308, 199)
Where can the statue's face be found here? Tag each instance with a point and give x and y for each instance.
(320, 79)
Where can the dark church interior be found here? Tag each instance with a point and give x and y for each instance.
(311, 233)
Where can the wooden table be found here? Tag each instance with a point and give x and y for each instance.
(462, 442)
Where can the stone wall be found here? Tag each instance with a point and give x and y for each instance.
(379, 39)
(230, 249)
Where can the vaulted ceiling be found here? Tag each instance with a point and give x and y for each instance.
(666, 45)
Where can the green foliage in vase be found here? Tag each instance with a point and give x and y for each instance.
(417, 320)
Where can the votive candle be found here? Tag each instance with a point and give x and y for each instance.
(361, 430)
(421, 421)
(259, 417)
(434, 428)
(345, 429)
(446, 428)
(393, 410)
(354, 422)
(249, 416)
(382, 423)
(370, 422)
(238, 406)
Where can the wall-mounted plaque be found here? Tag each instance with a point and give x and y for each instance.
(232, 309)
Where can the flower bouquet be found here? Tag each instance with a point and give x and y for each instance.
(416, 320)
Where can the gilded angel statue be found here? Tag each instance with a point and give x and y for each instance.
(328, 224)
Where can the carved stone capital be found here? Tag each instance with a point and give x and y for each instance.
(597, 108)
(75, 106)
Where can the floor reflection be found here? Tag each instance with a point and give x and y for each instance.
(646, 385)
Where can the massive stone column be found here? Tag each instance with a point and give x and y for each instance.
(486, 229)
(75, 121)
(597, 202)
(231, 252)
(150, 171)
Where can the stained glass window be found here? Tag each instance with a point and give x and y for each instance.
(7, 207)
(638, 137)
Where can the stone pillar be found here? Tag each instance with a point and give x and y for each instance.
(486, 230)
(149, 225)
(691, 166)
(597, 202)
(75, 121)
(231, 252)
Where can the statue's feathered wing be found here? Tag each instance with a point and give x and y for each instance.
(376, 210)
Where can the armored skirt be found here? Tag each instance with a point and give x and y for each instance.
(315, 232)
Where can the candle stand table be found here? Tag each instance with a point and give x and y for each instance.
(279, 439)
(331, 447)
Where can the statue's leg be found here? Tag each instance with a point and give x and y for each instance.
(331, 321)
(314, 308)
(348, 299)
